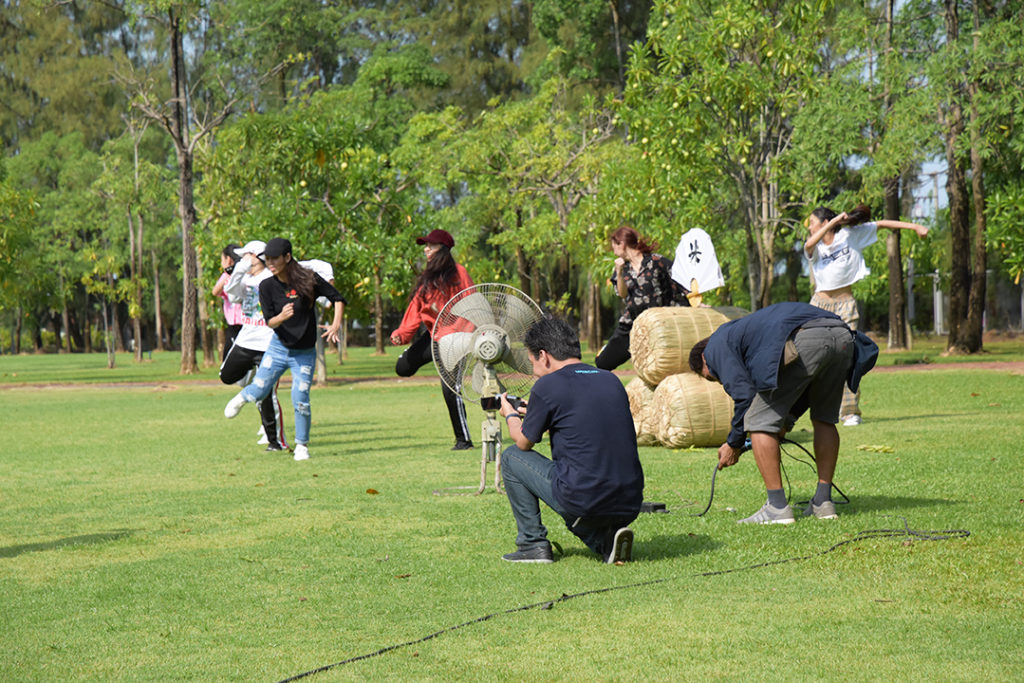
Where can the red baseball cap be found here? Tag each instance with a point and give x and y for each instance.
(437, 237)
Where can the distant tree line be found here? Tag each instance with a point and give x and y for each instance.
(140, 137)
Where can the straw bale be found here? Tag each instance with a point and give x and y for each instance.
(688, 411)
(662, 337)
(640, 394)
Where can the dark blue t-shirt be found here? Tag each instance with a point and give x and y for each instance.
(593, 441)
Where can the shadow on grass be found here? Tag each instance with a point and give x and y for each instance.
(85, 539)
(662, 547)
(860, 504)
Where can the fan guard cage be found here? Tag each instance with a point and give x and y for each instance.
(471, 325)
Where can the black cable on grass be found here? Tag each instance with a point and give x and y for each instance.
(789, 488)
(866, 534)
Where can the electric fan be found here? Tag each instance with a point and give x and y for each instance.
(478, 351)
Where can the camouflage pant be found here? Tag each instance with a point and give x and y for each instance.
(846, 308)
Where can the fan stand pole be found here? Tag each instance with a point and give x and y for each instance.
(490, 450)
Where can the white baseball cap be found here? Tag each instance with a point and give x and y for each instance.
(254, 247)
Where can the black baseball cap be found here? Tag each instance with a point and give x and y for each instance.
(278, 246)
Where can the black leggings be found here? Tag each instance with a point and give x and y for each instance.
(237, 363)
(415, 357)
(615, 352)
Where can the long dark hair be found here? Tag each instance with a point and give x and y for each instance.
(859, 214)
(628, 236)
(300, 278)
(439, 275)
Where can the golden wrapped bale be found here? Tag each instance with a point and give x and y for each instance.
(640, 394)
(688, 410)
(662, 337)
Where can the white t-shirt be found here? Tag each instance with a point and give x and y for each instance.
(245, 288)
(324, 270)
(841, 263)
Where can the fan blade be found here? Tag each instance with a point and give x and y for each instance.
(516, 316)
(519, 360)
(452, 349)
(478, 377)
(475, 308)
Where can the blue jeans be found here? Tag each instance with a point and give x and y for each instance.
(527, 476)
(276, 360)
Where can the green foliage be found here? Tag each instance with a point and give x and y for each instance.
(18, 221)
(322, 172)
(710, 100)
(589, 39)
(56, 71)
(526, 167)
(59, 171)
(1005, 215)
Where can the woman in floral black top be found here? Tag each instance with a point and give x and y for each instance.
(642, 278)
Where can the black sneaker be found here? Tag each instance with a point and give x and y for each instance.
(622, 546)
(274, 446)
(462, 445)
(540, 554)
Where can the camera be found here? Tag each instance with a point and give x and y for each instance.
(494, 402)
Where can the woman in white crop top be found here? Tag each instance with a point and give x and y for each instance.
(835, 248)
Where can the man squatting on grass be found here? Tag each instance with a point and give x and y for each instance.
(594, 479)
(775, 363)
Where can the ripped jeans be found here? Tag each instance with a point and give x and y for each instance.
(276, 360)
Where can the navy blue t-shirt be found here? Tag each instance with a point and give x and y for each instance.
(593, 441)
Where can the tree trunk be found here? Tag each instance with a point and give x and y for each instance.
(378, 313)
(956, 191)
(135, 271)
(897, 297)
(63, 320)
(16, 330)
(115, 316)
(621, 84)
(186, 205)
(590, 314)
(158, 315)
(971, 332)
(205, 331)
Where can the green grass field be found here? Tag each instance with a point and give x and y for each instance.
(145, 537)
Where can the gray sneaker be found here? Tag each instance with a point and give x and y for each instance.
(540, 554)
(770, 515)
(826, 510)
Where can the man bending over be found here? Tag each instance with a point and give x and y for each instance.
(775, 363)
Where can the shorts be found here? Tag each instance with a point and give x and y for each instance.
(815, 379)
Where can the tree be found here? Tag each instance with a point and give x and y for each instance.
(977, 81)
(18, 220)
(867, 126)
(710, 98)
(326, 168)
(59, 171)
(136, 194)
(588, 39)
(198, 103)
(56, 70)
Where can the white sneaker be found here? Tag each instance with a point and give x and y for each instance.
(301, 452)
(234, 406)
(263, 437)
(851, 420)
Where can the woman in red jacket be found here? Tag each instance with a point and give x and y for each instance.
(441, 279)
